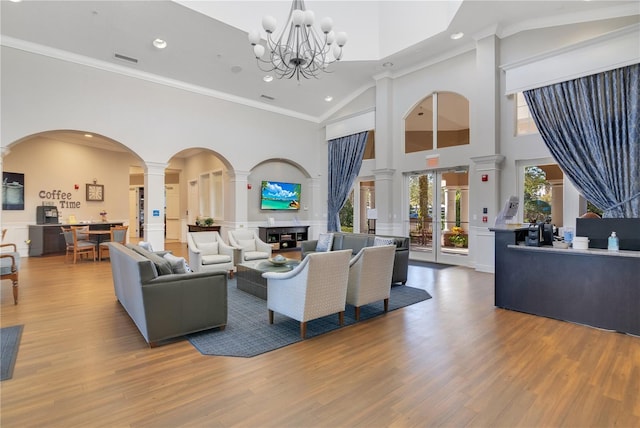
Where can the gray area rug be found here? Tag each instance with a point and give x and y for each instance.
(248, 332)
(9, 344)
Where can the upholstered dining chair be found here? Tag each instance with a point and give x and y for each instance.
(77, 246)
(209, 253)
(370, 273)
(118, 234)
(249, 245)
(315, 288)
(10, 266)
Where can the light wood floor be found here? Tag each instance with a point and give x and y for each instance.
(454, 360)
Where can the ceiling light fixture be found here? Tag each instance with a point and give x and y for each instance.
(160, 44)
(456, 36)
(328, 98)
(268, 78)
(387, 64)
(299, 50)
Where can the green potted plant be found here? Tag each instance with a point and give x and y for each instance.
(458, 238)
(208, 221)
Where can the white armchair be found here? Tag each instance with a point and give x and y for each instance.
(209, 253)
(251, 247)
(315, 288)
(370, 273)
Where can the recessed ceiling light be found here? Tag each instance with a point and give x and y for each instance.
(160, 44)
(387, 64)
(456, 36)
(15, 1)
(88, 135)
(236, 69)
(328, 98)
(268, 78)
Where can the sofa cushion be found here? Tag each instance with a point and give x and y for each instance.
(178, 264)
(379, 241)
(247, 244)
(214, 259)
(208, 248)
(162, 266)
(325, 241)
(354, 242)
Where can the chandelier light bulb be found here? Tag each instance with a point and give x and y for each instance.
(269, 24)
(331, 37)
(309, 17)
(341, 38)
(337, 52)
(258, 51)
(326, 25)
(297, 17)
(254, 37)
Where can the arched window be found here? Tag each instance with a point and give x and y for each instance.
(445, 112)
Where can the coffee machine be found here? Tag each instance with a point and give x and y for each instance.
(539, 234)
(46, 214)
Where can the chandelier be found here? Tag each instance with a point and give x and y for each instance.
(299, 50)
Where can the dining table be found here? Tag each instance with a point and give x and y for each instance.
(99, 234)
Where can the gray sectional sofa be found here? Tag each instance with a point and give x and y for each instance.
(356, 241)
(163, 304)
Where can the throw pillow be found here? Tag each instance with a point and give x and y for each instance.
(379, 241)
(178, 264)
(209, 248)
(247, 244)
(325, 241)
(162, 266)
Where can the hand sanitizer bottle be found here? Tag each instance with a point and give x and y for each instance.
(613, 244)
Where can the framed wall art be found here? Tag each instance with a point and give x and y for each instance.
(12, 191)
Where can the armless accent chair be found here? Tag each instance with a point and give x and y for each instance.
(370, 273)
(315, 288)
(209, 253)
(118, 234)
(10, 266)
(251, 247)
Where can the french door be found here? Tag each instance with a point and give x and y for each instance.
(438, 216)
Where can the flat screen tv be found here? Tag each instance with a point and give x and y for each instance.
(276, 195)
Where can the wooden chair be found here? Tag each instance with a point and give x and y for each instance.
(9, 267)
(118, 234)
(77, 246)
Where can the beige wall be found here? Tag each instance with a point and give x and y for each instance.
(52, 166)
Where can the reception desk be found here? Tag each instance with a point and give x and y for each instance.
(593, 287)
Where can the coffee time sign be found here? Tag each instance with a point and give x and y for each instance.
(60, 198)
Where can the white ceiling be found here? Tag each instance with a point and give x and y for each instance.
(203, 51)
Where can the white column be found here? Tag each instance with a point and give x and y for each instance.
(313, 201)
(449, 207)
(384, 199)
(239, 198)
(154, 204)
(557, 196)
(464, 208)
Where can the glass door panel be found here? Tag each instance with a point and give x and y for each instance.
(420, 221)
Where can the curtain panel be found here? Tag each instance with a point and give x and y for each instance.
(591, 125)
(345, 159)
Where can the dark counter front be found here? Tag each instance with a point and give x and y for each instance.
(48, 239)
(592, 287)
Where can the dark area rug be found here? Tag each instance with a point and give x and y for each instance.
(430, 265)
(9, 344)
(248, 332)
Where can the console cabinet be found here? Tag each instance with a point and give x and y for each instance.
(284, 238)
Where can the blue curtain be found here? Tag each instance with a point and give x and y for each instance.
(591, 125)
(345, 159)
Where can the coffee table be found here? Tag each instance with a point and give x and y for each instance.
(249, 275)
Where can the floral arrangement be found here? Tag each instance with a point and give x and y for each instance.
(103, 213)
(457, 237)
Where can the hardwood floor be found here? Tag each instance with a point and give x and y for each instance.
(454, 360)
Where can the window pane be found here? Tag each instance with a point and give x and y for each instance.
(453, 120)
(524, 122)
(418, 134)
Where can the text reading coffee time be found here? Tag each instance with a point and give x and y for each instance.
(63, 198)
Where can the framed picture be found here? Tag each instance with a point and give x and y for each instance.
(12, 191)
(95, 192)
